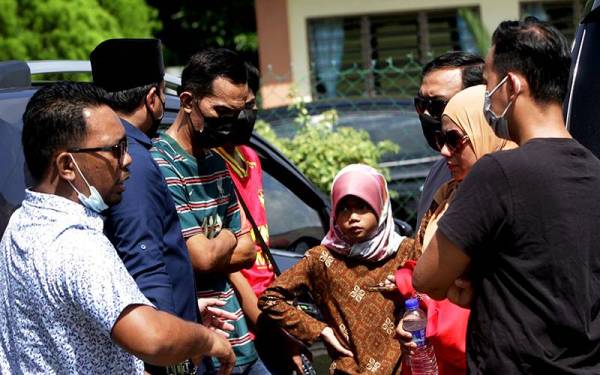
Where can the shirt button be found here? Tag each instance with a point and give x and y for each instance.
(143, 246)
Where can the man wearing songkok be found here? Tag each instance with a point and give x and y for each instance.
(144, 227)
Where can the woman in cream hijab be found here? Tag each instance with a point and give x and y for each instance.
(466, 137)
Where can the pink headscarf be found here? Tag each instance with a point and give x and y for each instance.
(369, 185)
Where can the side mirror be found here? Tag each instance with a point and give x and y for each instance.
(303, 244)
(403, 227)
(14, 74)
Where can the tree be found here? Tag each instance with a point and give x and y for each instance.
(190, 26)
(69, 29)
(480, 33)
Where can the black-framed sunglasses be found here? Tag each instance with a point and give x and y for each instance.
(119, 150)
(435, 106)
(453, 139)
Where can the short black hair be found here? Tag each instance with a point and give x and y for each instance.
(537, 50)
(471, 66)
(54, 119)
(253, 78)
(126, 101)
(206, 66)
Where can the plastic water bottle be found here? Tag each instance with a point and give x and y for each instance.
(423, 362)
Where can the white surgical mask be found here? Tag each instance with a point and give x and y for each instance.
(498, 122)
(94, 202)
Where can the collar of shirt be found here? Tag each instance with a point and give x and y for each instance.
(50, 206)
(136, 134)
(239, 168)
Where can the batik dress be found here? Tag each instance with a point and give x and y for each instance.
(362, 320)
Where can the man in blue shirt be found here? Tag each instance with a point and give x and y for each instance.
(144, 226)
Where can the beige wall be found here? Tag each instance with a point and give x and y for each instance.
(273, 51)
(299, 11)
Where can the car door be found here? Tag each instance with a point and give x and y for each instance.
(14, 176)
(297, 213)
(582, 111)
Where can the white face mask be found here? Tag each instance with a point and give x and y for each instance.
(94, 202)
(498, 122)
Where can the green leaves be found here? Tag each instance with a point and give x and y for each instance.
(320, 148)
(69, 29)
(477, 28)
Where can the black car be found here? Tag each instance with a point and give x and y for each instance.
(298, 213)
(581, 105)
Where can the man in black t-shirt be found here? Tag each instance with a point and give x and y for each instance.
(524, 223)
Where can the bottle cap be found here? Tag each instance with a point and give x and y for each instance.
(411, 304)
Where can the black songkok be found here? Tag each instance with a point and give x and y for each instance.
(122, 64)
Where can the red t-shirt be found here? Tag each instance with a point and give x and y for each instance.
(446, 326)
(248, 181)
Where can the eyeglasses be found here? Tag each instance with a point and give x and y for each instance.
(119, 150)
(434, 106)
(453, 140)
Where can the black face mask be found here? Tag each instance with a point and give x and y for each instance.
(220, 131)
(242, 130)
(430, 127)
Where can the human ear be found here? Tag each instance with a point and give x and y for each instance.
(514, 80)
(186, 99)
(151, 97)
(65, 167)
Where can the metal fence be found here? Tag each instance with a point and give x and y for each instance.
(377, 99)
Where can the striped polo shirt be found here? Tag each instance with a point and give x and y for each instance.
(206, 203)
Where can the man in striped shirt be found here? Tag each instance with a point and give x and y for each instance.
(213, 96)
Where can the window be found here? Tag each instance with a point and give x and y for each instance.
(13, 173)
(380, 54)
(293, 225)
(564, 15)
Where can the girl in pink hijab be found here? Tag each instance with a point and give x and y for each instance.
(370, 235)
(359, 251)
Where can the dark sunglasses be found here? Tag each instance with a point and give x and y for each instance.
(434, 106)
(453, 139)
(119, 150)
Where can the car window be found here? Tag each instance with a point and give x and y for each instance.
(293, 225)
(13, 173)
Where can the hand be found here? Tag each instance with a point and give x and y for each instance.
(461, 292)
(230, 236)
(333, 343)
(295, 349)
(215, 318)
(390, 282)
(386, 286)
(405, 338)
(222, 351)
(297, 361)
